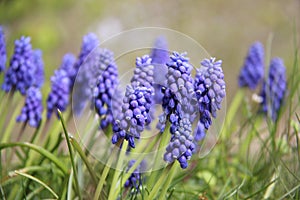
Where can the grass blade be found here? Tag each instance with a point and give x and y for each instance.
(38, 181)
(77, 147)
(70, 152)
(38, 149)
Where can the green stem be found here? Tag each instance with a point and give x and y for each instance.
(168, 181)
(114, 188)
(159, 183)
(77, 147)
(102, 179)
(236, 102)
(139, 160)
(11, 124)
(68, 138)
(162, 144)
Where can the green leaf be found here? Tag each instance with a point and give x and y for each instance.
(38, 181)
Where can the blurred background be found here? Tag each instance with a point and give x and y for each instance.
(224, 28)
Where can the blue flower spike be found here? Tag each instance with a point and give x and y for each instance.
(59, 96)
(135, 115)
(210, 89)
(274, 88)
(2, 50)
(178, 99)
(106, 88)
(21, 72)
(252, 72)
(32, 111)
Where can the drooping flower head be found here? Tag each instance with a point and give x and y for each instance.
(32, 111)
(181, 145)
(134, 116)
(210, 89)
(20, 74)
(135, 180)
(274, 88)
(2, 50)
(178, 99)
(38, 63)
(59, 95)
(105, 89)
(87, 69)
(252, 72)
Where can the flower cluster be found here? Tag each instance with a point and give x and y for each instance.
(253, 70)
(105, 89)
(38, 63)
(134, 116)
(135, 179)
(273, 89)
(2, 50)
(20, 74)
(58, 98)
(67, 64)
(143, 73)
(181, 145)
(89, 43)
(178, 96)
(160, 56)
(86, 71)
(32, 110)
(210, 90)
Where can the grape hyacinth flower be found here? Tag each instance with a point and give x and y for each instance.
(135, 179)
(210, 89)
(67, 64)
(20, 74)
(38, 63)
(105, 89)
(135, 114)
(160, 56)
(143, 73)
(2, 50)
(253, 70)
(89, 43)
(58, 98)
(273, 89)
(178, 99)
(33, 108)
(86, 71)
(181, 145)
